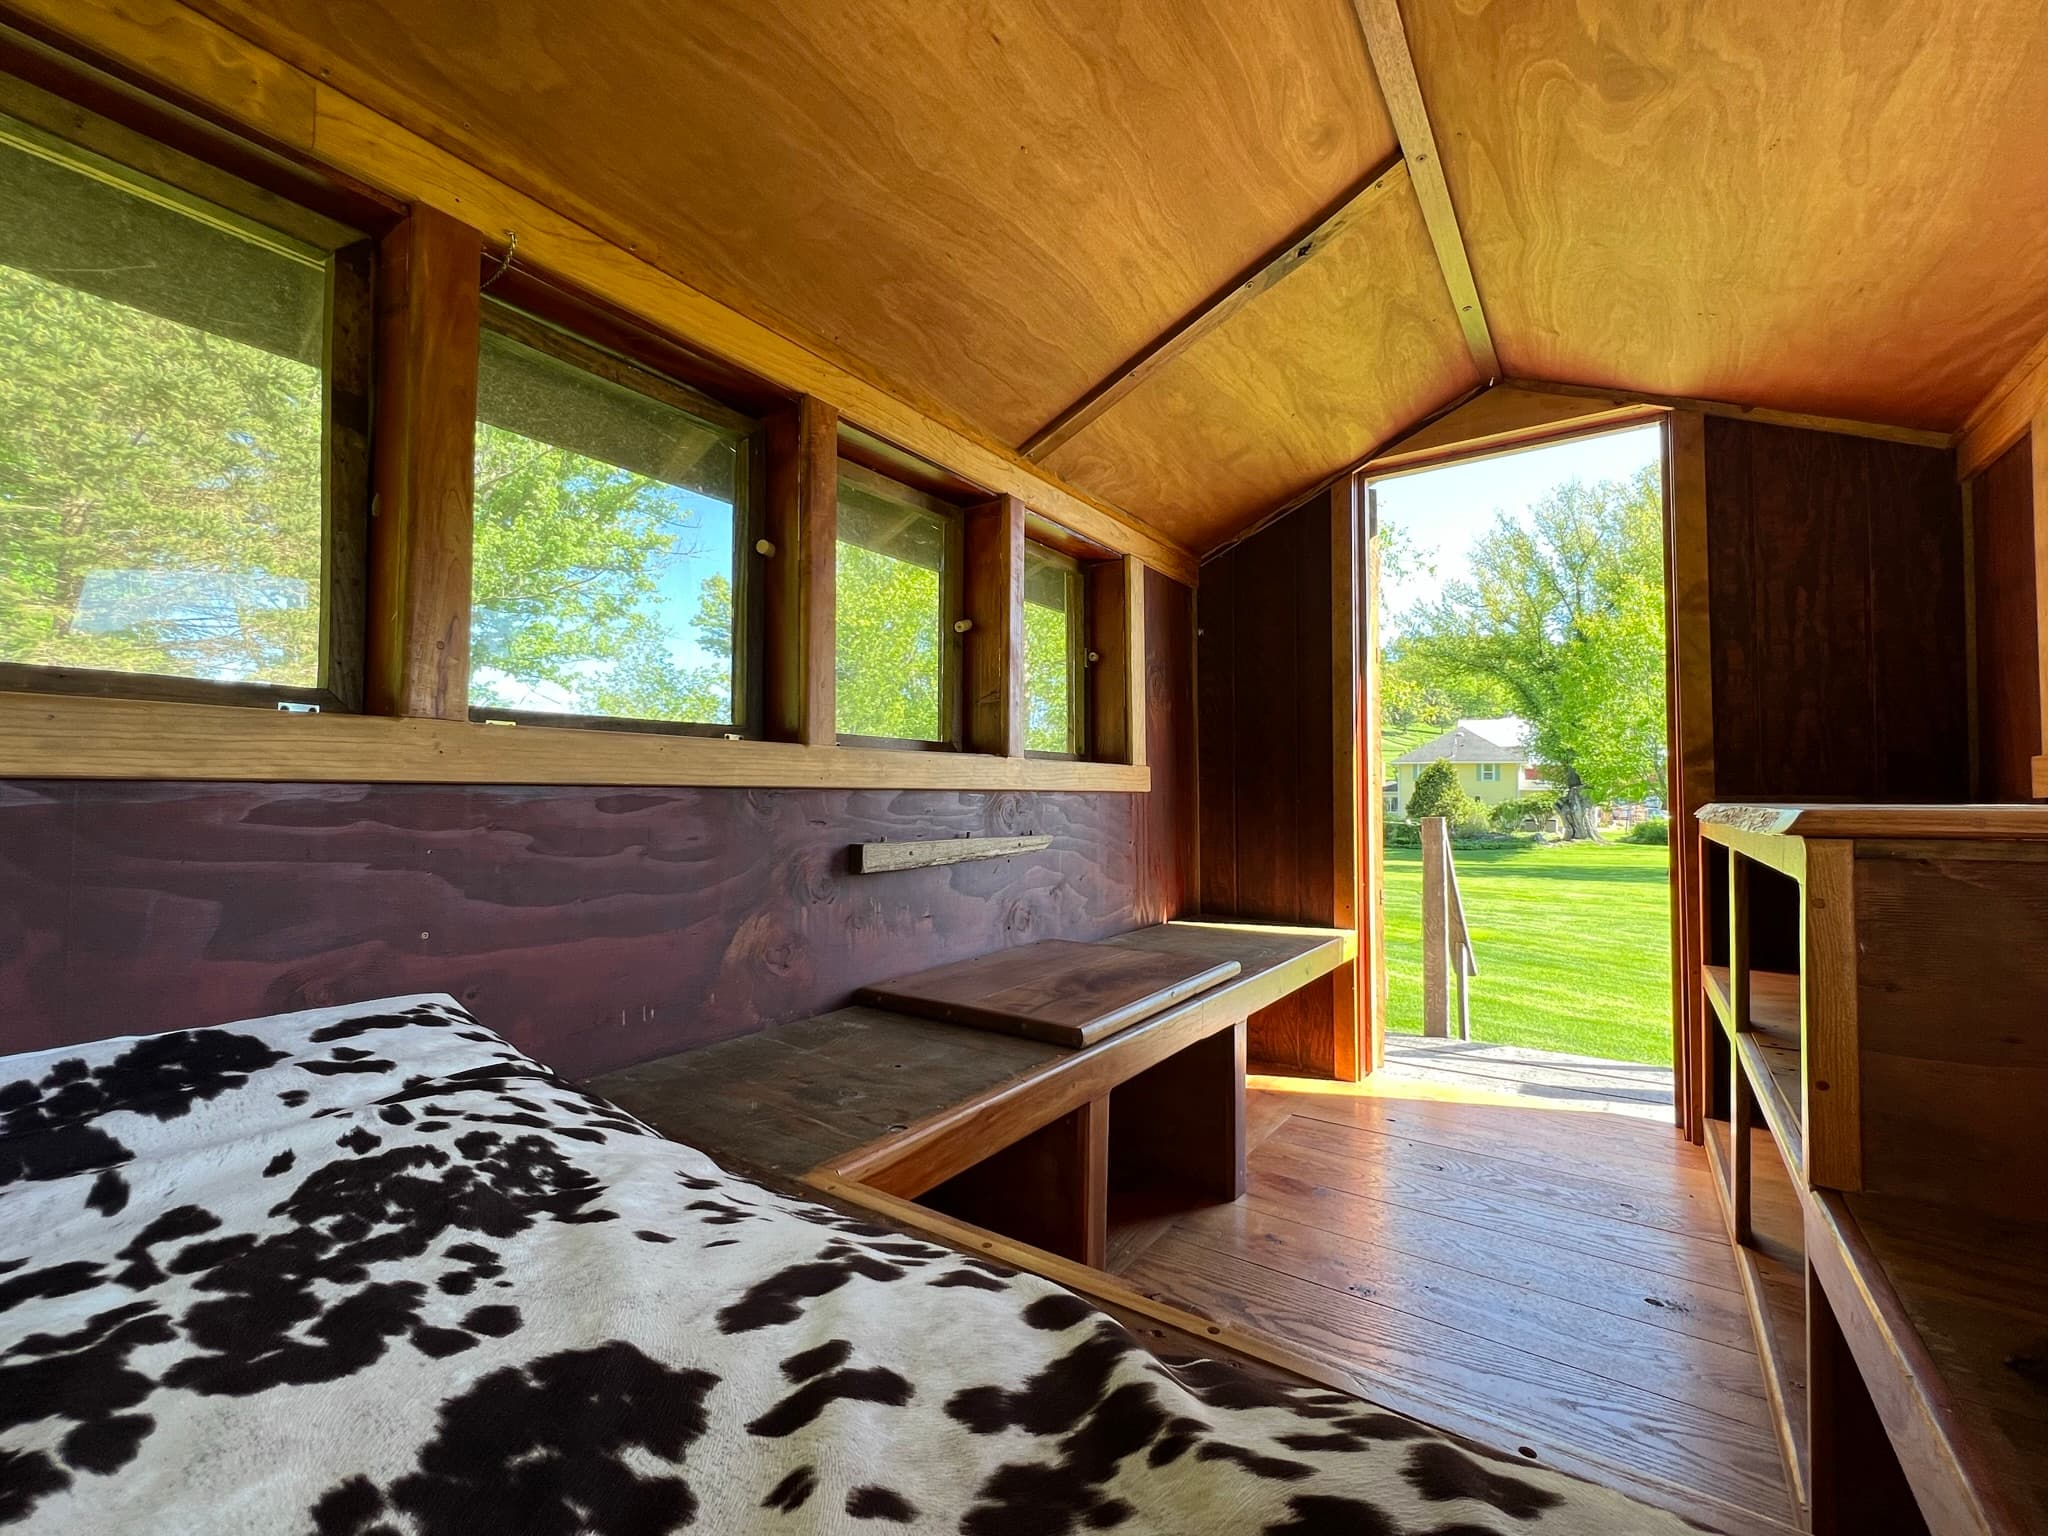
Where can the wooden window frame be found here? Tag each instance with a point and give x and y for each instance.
(1080, 671)
(555, 340)
(952, 735)
(201, 187)
(408, 580)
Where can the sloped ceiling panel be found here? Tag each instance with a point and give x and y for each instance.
(1838, 207)
(988, 207)
(1311, 376)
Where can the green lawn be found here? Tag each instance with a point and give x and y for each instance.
(1573, 942)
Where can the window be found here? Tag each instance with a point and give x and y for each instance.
(166, 461)
(1489, 773)
(896, 660)
(611, 516)
(1055, 653)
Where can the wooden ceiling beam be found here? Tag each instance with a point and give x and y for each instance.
(1918, 437)
(1386, 43)
(1283, 261)
(2004, 416)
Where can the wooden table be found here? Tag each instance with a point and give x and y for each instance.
(1020, 1136)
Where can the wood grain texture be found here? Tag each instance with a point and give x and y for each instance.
(1119, 686)
(427, 323)
(1181, 1125)
(929, 853)
(1821, 207)
(1835, 584)
(1830, 1060)
(1506, 417)
(801, 590)
(2006, 415)
(52, 735)
(1689, 715)
(1049, 1189)
(1386, 40)
(1066, 993)
(1756, 828)
(1312, 377)
(183, 52)
(993, 536)
(2008, 625)
(976, 271)
(596, 926)
(1275, 822)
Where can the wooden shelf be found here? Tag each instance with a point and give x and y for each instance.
(1772, 1068)
(1773, 1001)
(1773, 1275)
(1952, 1306)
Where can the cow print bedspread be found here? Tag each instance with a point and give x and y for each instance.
(362, 1271)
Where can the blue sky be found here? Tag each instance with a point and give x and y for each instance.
(1444, 510)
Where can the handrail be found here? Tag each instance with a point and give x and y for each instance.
(1446, 939)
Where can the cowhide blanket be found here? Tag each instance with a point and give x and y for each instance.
(370, 1270)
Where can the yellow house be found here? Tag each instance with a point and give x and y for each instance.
(1487, 756)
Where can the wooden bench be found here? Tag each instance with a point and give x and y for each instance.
(1018, 1136)
(1880, 974)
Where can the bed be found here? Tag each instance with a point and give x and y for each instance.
(369, 1270)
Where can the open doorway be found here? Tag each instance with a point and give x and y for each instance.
(1524, 771)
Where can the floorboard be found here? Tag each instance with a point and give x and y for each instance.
(1555, 1272)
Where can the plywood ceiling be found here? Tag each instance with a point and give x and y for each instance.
(990, 206)
(1323, 369)
(1832, 206)
(1838, 207)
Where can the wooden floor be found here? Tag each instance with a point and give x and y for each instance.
(1548, 1274)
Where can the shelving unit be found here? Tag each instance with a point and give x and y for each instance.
(1879, 977)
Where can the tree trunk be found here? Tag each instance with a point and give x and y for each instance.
(1574, 810)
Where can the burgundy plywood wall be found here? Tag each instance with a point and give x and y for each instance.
(1835, 583)
(2008, 638)
(597, 927)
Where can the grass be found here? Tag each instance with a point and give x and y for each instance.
(1573, 942)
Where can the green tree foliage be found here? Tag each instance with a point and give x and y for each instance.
(135, 450)
(1437, 792)
(1047, 687)
(1566, 618)
(1411, 693)
(1509, 815)
(570, 555)
(890, 632)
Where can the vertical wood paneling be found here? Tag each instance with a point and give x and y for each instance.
(1272, 844)
(2007, 624)
(425, 463)
(1835, 576)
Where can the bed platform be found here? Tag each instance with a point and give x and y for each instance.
(370, 1269)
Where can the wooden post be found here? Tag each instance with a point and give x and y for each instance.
(994, 541)
(802, 531)
(1116, 677)
(1436, 928)
(424, 468)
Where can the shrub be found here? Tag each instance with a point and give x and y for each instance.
(1403, 834)
(1654, 832)
(1438, 793)
(1510, 814)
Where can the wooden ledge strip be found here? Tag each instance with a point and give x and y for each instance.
(56, 736)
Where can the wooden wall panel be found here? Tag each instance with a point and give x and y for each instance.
(1835, 576)
(1270, 841)
(2008, 629)
(596, 927)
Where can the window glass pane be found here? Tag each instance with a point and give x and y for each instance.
(606, 544)
(1052, 643)
(160, 427)
(891, 593)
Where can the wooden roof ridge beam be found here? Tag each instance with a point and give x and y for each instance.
(1386, 44)
(1283, 260)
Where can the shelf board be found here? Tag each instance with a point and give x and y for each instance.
(1773, 1275)
(1773, 1001)
(1772, 1068)
(1957, 1298)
